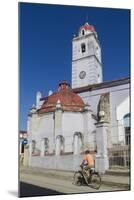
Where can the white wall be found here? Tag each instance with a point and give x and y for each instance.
(118, 95)
(66, 162)
(78, 122)
(86, 61)
(123, 108)
(41, 127)
(71, 123)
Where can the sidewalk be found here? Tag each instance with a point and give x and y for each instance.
(111, 178)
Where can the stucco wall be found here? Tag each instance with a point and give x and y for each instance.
(117, 96)
(88, 61)
(71, 123)
(41, 127)
(123, 108)
(78, 122)
(67, 162)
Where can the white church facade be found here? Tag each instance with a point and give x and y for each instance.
(91, 114)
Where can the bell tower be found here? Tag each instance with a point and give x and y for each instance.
(86, 57)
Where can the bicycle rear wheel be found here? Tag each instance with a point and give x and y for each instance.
(95, 181)
(78, 178)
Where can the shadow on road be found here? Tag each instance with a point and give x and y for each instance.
(28, 190)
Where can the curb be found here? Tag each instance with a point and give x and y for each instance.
(114, 173)
(121, 185)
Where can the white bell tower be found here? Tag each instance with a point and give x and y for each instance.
(86, 58)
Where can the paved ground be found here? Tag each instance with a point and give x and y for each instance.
(116, 178)
(61, 182)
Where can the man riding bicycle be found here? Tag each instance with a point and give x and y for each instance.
(88, 161)
(87, 174)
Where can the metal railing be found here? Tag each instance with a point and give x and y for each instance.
(119, 156)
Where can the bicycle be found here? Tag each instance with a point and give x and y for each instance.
(90, 177)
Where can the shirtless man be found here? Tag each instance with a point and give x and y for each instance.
(88, 161)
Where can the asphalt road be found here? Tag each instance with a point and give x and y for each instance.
(29, 190)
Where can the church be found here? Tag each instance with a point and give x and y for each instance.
(88, 114)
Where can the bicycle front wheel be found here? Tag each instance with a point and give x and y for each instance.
(95, 181)
(77, 178)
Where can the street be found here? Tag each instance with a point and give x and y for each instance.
(54, 185)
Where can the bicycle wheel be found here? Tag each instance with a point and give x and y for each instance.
(78, 178)
(95, 181)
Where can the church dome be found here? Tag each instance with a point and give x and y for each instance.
(65, 98)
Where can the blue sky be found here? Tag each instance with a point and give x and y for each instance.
(46, 33)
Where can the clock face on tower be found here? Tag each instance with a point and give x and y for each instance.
(82, 74)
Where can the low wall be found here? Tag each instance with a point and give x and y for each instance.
(64, 162)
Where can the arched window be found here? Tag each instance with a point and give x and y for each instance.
(126, 122)
(77, 142)
(46, 145)
(83, 32)
(83, 47)
(59, 145)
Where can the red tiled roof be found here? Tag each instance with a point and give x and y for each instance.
(87, 26)
(69, 100)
